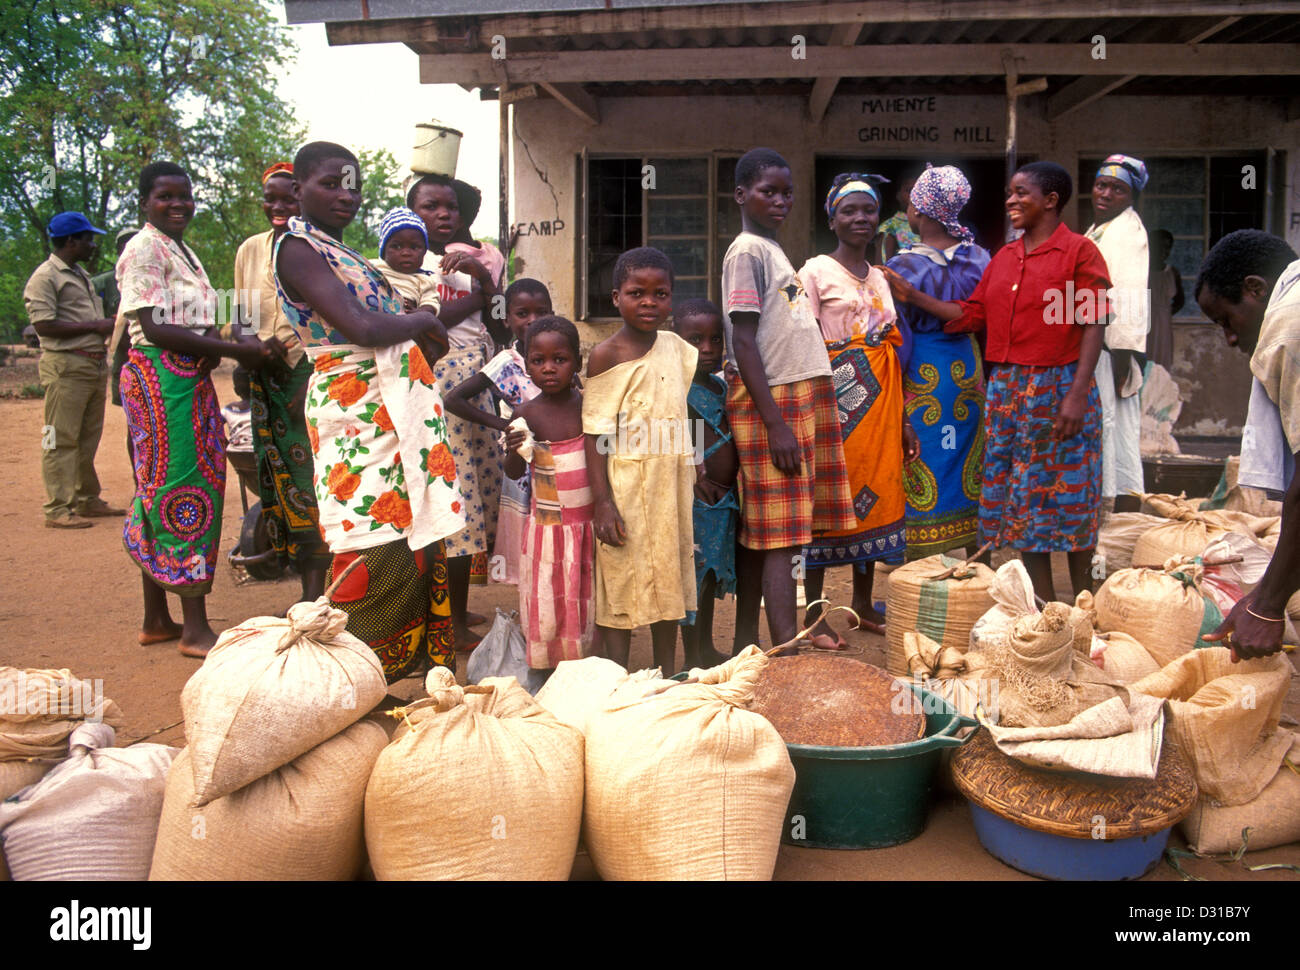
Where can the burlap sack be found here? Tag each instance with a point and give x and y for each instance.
(688, 784)
(1013, 597)
(1215, 520)
(17, 775)
(945, 672)
(942, 609)
(1118, 536)
(1273, 816)
(580, 688)
(1125, 659)
(93, 817)
(1157, 544)
(1043, 675)
(302, 821)
(39, 708)
(1224, 717)
(1163, 609)
(476, 786)
(1121, 737)
(272, 689)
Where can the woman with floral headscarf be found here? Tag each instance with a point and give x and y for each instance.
(943, 387)
(866, 343)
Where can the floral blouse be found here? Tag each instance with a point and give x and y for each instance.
(154, 270)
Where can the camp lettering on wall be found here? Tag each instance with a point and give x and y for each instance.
(549, 227)
(918, 124)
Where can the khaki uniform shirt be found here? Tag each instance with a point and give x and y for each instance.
(57, 291)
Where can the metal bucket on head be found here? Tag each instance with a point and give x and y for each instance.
(436, 149)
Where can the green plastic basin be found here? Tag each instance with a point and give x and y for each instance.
(869, 798)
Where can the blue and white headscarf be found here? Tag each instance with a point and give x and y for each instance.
(1129, 170)
(852, 182)
(397, 219)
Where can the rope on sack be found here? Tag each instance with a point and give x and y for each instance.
(964, 566)
(795, 642)
(318, 620)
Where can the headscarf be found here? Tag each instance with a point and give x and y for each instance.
(396, 219)
(849, 183)
(941, 193)
(285, 168)
(1127, 169)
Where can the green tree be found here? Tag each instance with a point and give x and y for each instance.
(381, 190)
(93, 90)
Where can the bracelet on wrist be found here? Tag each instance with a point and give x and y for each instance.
(1266, 619)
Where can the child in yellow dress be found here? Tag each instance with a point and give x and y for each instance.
(641, 464)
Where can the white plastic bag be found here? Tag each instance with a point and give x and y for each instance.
(94, 817)
(504, 653)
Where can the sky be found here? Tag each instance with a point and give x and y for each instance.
(370, 96)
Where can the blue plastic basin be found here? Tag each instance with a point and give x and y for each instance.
(1058, 857)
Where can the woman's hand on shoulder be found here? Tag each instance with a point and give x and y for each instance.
(902, 290)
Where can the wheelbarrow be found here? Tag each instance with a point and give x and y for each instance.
(254, 553)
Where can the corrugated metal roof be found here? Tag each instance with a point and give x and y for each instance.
(330, 11)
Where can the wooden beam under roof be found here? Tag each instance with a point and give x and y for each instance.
(738, 16)
(577, 99)
(1088, 89)
(901, 60)
(842, 35)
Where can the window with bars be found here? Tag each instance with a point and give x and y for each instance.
(1199, 199)
(681, 205)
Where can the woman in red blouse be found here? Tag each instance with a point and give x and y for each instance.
(1042, 304)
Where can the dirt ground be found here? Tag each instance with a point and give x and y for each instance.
(73, 599)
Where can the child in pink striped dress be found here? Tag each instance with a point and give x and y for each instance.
(556, 589)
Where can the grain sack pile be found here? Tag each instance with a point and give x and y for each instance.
(688, 783)
(273, 689)
(301, 821)
(1118, 536)
(93, 817)
(478, 783)
(937, 596)
(38, 710)
(1165, 610)
(1224, 717)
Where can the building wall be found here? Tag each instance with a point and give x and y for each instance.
(549, 139)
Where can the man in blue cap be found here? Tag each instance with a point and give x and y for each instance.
(68, 316)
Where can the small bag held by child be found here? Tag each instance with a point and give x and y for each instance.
(504, 653)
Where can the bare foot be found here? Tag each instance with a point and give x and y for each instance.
(168, 630)
(198, 645)
(475, 619)
(466, 639)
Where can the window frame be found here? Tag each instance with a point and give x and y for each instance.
(709, 199)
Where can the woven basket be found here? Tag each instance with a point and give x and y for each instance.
(943, 609)
(1068, 804)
